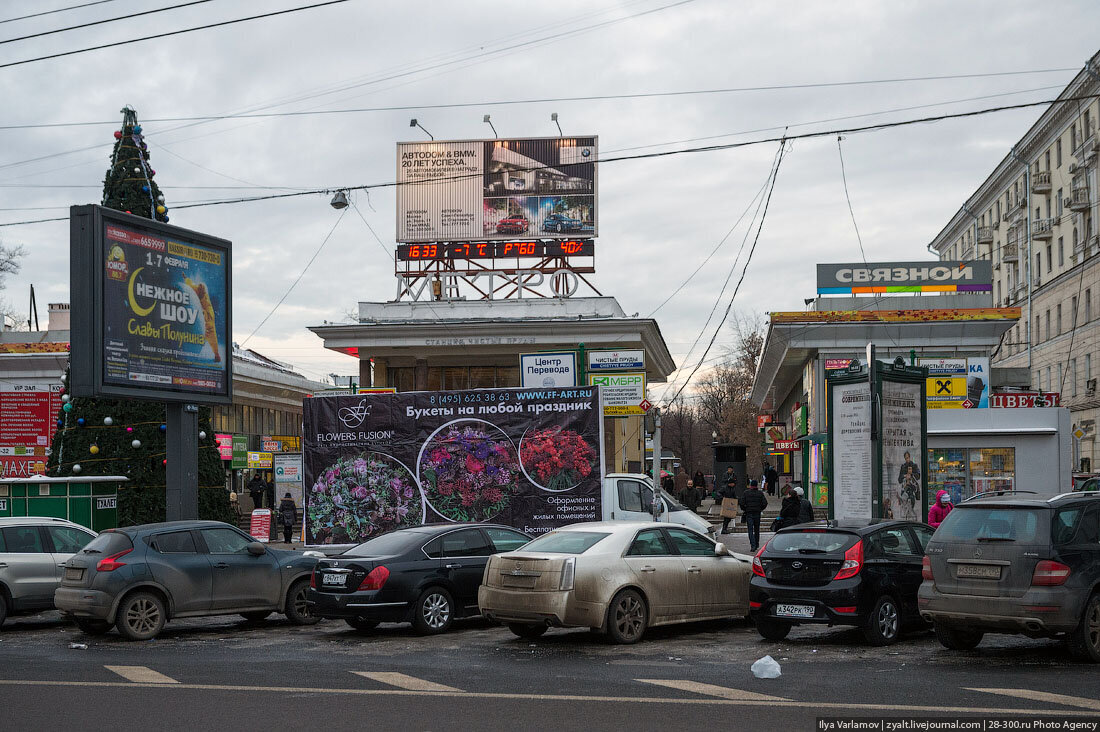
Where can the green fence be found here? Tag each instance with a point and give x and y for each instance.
(91, 502)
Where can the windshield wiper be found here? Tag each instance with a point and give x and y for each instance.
(994, 538)
(92, 551)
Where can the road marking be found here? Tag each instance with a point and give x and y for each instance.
(842, 707)
(722, 692)
(141, 674)
(1045, 696)
(401, 681)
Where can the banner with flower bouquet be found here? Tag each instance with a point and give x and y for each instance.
(527, 458)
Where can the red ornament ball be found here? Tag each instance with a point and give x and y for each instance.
(118, 135)
(164, 462)
(129, 212)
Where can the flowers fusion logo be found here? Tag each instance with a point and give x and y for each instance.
(353, 417)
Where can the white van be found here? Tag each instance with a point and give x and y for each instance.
(629, 497)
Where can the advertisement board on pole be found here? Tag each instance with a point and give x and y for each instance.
(259, 525)
(902, 484)
(622, 394)
(259, 460)
(850, 443)
(531, 459)
(957, 383)
(469, 190)
(616, 360)
(240, 452)
(288, 475)
(225, 445)
(151, 310)
(557, 369)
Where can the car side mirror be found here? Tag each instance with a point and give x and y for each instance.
(721, 550)
(256, 549)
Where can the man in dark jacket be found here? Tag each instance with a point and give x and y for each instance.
(288, 517)
(728, 490)
(752, 503)
(788, 512)
(771, 479)
(805, 508)
(256, 488)
(691, 497)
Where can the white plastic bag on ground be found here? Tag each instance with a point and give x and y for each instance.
(766, 668)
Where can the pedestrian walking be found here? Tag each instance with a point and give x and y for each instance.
(288, 517)
(728, 492)
(788, 511)
(269, 492)
(805, 508)
(752, 503)
(680, 482)
(692, 496)
(700, 481)
(668, 485)
(939, 510)
(256, 488)
(719, 484)
(771, 479)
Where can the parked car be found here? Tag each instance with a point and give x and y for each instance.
(864, 573)
(561, 222)
(1017, 564)
(517, 224)
(139, 577)
(424, 575)
(617, 577)
(32, 550)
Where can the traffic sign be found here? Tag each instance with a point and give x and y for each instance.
(645, 405)
(1078, 433)
(967, 404)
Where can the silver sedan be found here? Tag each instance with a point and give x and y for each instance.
(616, 577)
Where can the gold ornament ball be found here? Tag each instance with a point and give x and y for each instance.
(161, 209)
(94, 449)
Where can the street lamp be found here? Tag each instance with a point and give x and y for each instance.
(554, 119)
(414, 123)
(339, 200)
(489, 122)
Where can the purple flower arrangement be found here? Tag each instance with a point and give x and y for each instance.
(467, 474)
(360, 497)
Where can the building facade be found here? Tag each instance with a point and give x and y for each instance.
(1035, 218)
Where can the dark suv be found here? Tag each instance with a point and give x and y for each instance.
(862, 573)
(1015, 563)
(138, 577)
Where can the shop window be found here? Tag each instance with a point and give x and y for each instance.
(992, 468)
(964, 472)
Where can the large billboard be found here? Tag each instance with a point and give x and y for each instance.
(150, 309)
(890, 277)
(479, 190)
(531, 459)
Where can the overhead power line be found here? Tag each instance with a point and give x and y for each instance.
(637, 156)
(58, 10)
(101, 22)
(558, 100)
(171, 33)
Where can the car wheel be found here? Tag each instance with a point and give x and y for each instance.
(773, 630)
(1084, 641)
(361, 623)
(298, 610)
(884, 623)
(434, 611)
(256, 615)
(957, 639)
(140, 616)
(627, 617)
(3, 608)
(526, 630)
(93, 627)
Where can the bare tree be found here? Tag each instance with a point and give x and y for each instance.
(9, 265)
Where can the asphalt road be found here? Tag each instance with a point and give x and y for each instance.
(225, 673)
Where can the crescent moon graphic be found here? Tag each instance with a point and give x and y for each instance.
(138, 310)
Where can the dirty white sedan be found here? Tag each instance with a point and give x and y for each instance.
(616, 577)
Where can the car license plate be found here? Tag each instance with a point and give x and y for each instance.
(74, 573)
(982, 571)
(795, 611)
(334, 579)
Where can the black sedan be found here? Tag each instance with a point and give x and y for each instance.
(426, 575)
(839, 573)
(136, 578)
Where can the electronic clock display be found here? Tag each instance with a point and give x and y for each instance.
(496, 250)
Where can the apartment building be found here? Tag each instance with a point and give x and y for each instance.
(1035, 217)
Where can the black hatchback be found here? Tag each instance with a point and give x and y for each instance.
(864, 574)
(425, 575)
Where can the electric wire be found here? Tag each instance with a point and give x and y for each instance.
(170, 33)
(58, 10)
(101, 22)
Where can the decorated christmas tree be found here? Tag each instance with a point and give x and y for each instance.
(123, 436)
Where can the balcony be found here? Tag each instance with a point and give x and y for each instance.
(968, 254)
(1079, 201)
(1086, 151)
(1010, 253)
(985, 234)
(1042, 229)
(1040, 182)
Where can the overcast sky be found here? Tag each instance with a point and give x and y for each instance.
(659, 218)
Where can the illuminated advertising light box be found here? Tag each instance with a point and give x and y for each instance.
(482, 190)
(151, 310)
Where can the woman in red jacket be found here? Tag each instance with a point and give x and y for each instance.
(939, 510)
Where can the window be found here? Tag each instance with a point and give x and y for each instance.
(466, 543)
(1061, 252)
(566, 542)
(1050, 258)
(1036, 335)
(1046, 159)
(649, 543)
(1088, 306)
(1088, 366)
(1059, 203)
(176, 542)
(1048, 325)
(505, 540)
(1073, 377)
(1048, 206)
(482, 377)
(1058, 158)
(634, 496)
(225, 541)
(690, 544)
(1058, 325)
(456, 378)
(1073, 309)
(923, 534)
(1038, 268)
(890, 543)
(991, 523)
(1049, 380)
(67, 540)
(1073, 137)
(998, 209)
(23, 540)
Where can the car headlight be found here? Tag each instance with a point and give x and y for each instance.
(568, 573)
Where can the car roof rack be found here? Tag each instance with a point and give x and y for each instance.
(1075, 494)
(986, 494)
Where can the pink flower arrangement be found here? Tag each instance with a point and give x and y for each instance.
(557, 458)
(468, 475)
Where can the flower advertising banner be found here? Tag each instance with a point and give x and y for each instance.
(526, 458)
